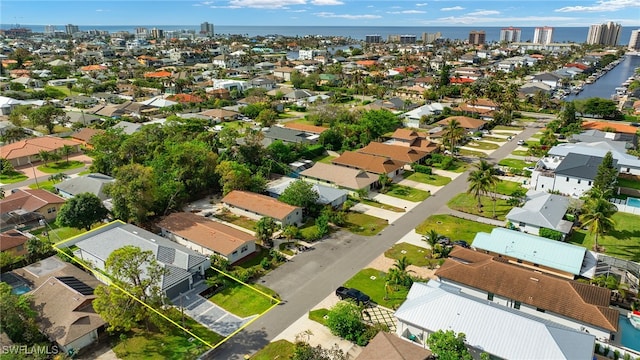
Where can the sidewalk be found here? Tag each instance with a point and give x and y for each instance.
(472, 217)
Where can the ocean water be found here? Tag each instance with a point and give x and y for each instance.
(561, 34)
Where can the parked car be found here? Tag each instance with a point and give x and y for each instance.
(520, 142)
(462, 243)
(356, 295)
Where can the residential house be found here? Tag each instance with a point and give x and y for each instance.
(484, 108)
(84, 136)
(159, 102)
(579, 306)
(305, 127)
(413, 139)
(298, 94)
(283, 73)
(401, 154)
(326, 195)
(388, 346)
(370, 163)
(129, 108)
(264, 83)
(537, 253)
(220, 115)
(353, 180)
(413, 117)
(127, 127)
(26, 151)
(550, 79)
(184, 266)
(13, 242)
(82, 118)
(541, 210)
(608, 126)
(470, 124)
(91, 183)
(289, 136)
(28, 82)
(226, 61)
(7, 104)
(531, 88)
(622, 141)
(22, 201)
(489, 328)
(81, 101)
(256, 206)
(208, 237)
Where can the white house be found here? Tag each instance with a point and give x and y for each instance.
(541, 210)
(573, 175)
(326, 195)
(412, 118)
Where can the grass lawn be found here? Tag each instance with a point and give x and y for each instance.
(86, 172)
(326, 159)
(520, 153)
(628, 183)
(380, 205)
(407, 193)
(303, 121)
(12, 177)
(433, 179)
(255, 259)
(363, 224)
(281, 349)
(621, 242)
(515, 163)
(60, 166)
(373, 282)
(58, 233)
(241, 300)
(318, 315)
(416, 255)
(478, 154)
(45, 185)
(453, 227)
(483, 145)
(308, 230)
(495, 139)
(242, 221)
(508, 187)
(467, 203)
(507, 128)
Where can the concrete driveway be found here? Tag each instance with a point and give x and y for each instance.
(388, 215)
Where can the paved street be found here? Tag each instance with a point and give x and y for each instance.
(310, 276)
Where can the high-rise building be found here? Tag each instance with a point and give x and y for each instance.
(510, 34)
(373, 39)
(429, 38)
(71, 29)
(634, 41)
(407, 39)
(543, 35)
(49, 29)
(206, 29)
(604, 34)
(157, 33)
(477, 37)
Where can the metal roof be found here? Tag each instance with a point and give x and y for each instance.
(554, 254)
(493, 328)
(326, 194)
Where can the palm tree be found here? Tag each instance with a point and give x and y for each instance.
(399, 273)
(597, 216)
(491, 180)
(66, 150)
(483, 181)
(45, 156)
(477, 186)
(453, 133)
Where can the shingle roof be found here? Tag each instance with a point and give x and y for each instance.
(85, 134)
(366, 162)
(12, 238)
(33, 146)
(580, 166)
(326, 194)
(582, 302)
(306, 127)
(386, 346)
(91, 183)
(465, 122)
(29, 200)
(399, 153)
(543, 209)
(213, 235)
(289, 135)
(341, 176)
(260, 204)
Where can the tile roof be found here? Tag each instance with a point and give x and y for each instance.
(29, 200)
(465, 121)
(582, 302)
(405, 134)
(341, 176)
(260, 204)
(185, 98)
(305, 127)
(395, 152)
(219, 113)
(386, 346)
(157, 74)
(602, 125)
(85, 134)
(366, 162)
(212, 235)
(32, 146)
(11, 239)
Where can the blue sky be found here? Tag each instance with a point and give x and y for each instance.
(323, 12)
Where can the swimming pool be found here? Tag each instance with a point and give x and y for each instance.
(629, 336)
(22, 289)
(633, 202)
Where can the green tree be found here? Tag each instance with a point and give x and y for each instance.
(18, 318)
(45, 156)
(344, 320)
(300, 193)
(133, 193)
(482, 181)
(548, 138)
(13, 134)
(6, 167)
(447, 345)
(399, 274)
(265, 228)
(607, 175)
(297, 79)
(46, 116)
(568, 114)
(66, 151)
(384, 181)
(453, 133)
(82, 211)
(267, 118)
(233, 176)
(291, 232)
(304, 351)
(596, 215)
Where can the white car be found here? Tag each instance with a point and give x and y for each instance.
(520, 142)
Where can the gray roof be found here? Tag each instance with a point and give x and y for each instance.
(618, 141)
(580, 166)
(173, 256)
(326, 194)
(543, 209)
(290, 135)
(298, 94)
(91, 183)
(492, 328)
(127, 127)
(598, 148)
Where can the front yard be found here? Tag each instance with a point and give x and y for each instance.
(380, 205)
(478, 154)
(621, 242)
(505, 187)
(469, 204)
(374, 283)
(60, 166)
(241, 300)
(12, 177)
(483, 145)
(416, 255)
(281, 349)
(433, 179)
(515, 163)
(407, 193)
(241, 221)
(363, 224)
(453, 227)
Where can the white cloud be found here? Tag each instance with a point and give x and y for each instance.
(455, 8)
(326, 2)
(522, 21)
(421, 4)
(601, 6)
(264, 4)
(407, 12)
(101, 10)
(297, 11)
(348, 16)
(483, 13)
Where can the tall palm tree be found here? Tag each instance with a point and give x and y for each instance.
(477, 186)
(482, 181)
(597, 213)
(399, 273)
(453, 133)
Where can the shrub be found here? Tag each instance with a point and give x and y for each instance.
(550, 234)
(446, 163)
(422, 169)
(265, 263)
(344, 320)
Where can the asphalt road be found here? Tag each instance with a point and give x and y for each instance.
(310, 276)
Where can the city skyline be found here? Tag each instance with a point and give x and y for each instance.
(322, 13)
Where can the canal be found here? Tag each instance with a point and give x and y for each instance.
(605, 86)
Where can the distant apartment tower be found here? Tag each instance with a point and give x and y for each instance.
(157, 33)
(634, 41)
(373, 39)
(206, 29)
(49, 29)
(477, 37)
(604, 34)
(510, 34)
(71, 29)
(543, 35)
(430, 38)
(408, 39)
